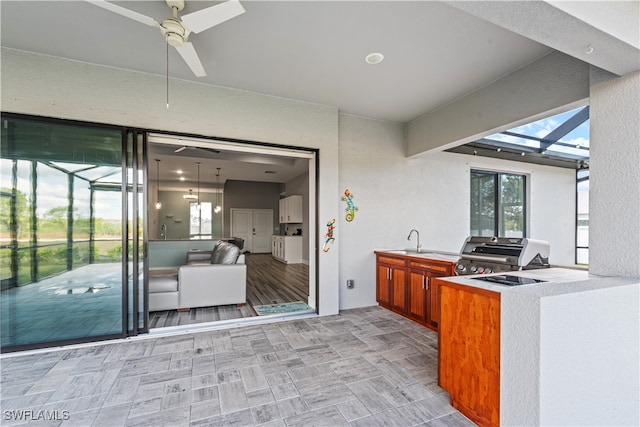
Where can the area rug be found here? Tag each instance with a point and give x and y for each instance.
(287, 307)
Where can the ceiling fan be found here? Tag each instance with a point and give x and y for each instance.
(176, 30)
(187, 147)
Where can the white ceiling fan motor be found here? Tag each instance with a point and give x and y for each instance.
(172, 28)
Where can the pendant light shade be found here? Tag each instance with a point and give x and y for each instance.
(158, 203)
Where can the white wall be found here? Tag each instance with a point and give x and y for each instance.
(47, 86)
(602, 388)
(430, 193)
(614, 194)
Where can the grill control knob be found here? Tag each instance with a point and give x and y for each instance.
(488, 270)
(461, 267)
(474, 269)
(481, 270)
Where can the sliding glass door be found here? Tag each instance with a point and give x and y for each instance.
(71, 214)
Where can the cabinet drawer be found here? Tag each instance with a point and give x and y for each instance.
(428, 265)
(391, 261)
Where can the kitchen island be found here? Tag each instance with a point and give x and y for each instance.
(544, 353)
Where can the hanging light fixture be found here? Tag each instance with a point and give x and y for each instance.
(198, 163)
(158, 203)
(218, 208)
(190, 196)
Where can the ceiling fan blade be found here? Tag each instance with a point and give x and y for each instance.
(206, 18)
(188, 53)
(124, 12)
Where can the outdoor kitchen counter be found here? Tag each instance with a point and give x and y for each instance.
(422, 255)
(556, 281)
(563, 344)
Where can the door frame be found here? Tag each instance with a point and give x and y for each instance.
(254, 147)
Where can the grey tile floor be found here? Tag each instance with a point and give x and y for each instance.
(364, 367)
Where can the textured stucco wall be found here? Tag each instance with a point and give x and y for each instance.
(614, 199)
(430, 193)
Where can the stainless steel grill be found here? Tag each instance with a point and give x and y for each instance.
(481, 255)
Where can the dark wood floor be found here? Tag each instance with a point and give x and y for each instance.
(268, 282)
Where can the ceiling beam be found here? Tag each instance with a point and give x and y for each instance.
(551, 26)
(553, 84)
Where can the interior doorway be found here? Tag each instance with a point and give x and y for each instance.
(246, 180)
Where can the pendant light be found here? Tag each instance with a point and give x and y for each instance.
(158, 203)
(218, 208)
(198, 196)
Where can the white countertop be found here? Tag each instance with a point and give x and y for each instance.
(557, 281)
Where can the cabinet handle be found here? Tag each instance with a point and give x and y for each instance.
(427, 283)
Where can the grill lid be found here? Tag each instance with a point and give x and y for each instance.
(491, 254)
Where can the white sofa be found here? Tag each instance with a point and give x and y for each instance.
(210, 278)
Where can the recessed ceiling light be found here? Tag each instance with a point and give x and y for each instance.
(179, 171)
(374, 58)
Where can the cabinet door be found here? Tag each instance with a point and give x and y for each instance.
(434, 299)
(399, 289)
(418, 291)
(383, 285)
(294, 209)
(282, 210)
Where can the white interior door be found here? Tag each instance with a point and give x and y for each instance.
(254, 226)
(262, 230)
(241, 226)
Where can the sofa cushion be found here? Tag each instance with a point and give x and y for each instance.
(163, 284)
(225, 253)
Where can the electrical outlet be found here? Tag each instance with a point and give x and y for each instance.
(350, 284)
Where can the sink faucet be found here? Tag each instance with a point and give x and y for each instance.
(163, 231)
(418, 246)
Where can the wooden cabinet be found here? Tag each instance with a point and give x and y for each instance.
(423, 295)
(290, 209)
(404, 284)
(392, 283)
(469, 350)
(287, 249)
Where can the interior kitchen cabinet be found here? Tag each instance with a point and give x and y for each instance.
(287, 249)
(404, 284)
(469, 350)
(290, 209)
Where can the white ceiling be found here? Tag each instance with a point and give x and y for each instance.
(305, 50)
(313, 51)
